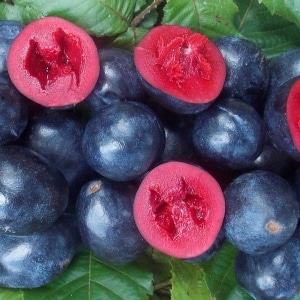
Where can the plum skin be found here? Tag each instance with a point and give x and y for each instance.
(34, 260)
(57, 135)
(229, 134)
(261, 211)
(274, 275)
(247, 71)
(118, 80)
(104, 215)
(123, 140)
(33, 192)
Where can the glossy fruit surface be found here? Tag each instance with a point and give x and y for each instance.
(105, 221)
(261, 211)
(179, 209)
(281, 117)
(8, 32)
(247, 72)
(229, 134)
(118, 79)
(274, 275)
(13, 114)
(183, 70)
(34, 260)
(53, 62)
(33, 194)
(57, 135)
(123, 140)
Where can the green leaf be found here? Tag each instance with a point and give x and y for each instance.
(213, 18)
(272, 33)
(130, 38)
(284, 8)
(101, 18)
(18, 13)
(220, 276)
(89, 278)
(188, 282)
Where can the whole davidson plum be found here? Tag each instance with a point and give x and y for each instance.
(34, 260)
(261, 211)
(105, 221)
(33, 193)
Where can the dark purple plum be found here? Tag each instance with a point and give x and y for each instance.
(179, 142)
(123, 140)
(261, 211)
(105, 221)
(13, 113)
(229, 134)
(247, 72)
(34, 260)
(283, 68)
(118, 80)
(33, 192)
(274, 275)
(57, 135)
(281, 116)
(273, 159)
(8, 31)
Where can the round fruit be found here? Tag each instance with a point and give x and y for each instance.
(33, 194)
(34, 260)
(261, 211)
(229, 134)
(274, 275)
(282, 118)
(118, 80)
(105, 221)
(247, 73)
(123, 140)
(53, 62)
(179, 209)
(182, 69)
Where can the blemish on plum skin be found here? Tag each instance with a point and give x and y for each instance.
(178, 210)
(96, 186)
(63, 59)
(273, 227)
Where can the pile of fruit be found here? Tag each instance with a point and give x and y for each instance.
(180, 146)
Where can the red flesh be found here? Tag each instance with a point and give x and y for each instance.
(182, 63)
(53, 62)
(179, 209)
(293, 113)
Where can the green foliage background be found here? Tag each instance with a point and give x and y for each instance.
(271, 24)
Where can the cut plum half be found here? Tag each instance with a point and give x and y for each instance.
(179, 209)
(53, 62)
(181, 68)
(293, 112)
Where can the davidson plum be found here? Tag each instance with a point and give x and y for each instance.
(53, 62)
(33, 194)
(179, 209)
(123, 140)
(229, 134)
(261, 211)
(34, 260)
(274, 275)
(118, 80)
(105, 220)
(182, 70)
(281, 116)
